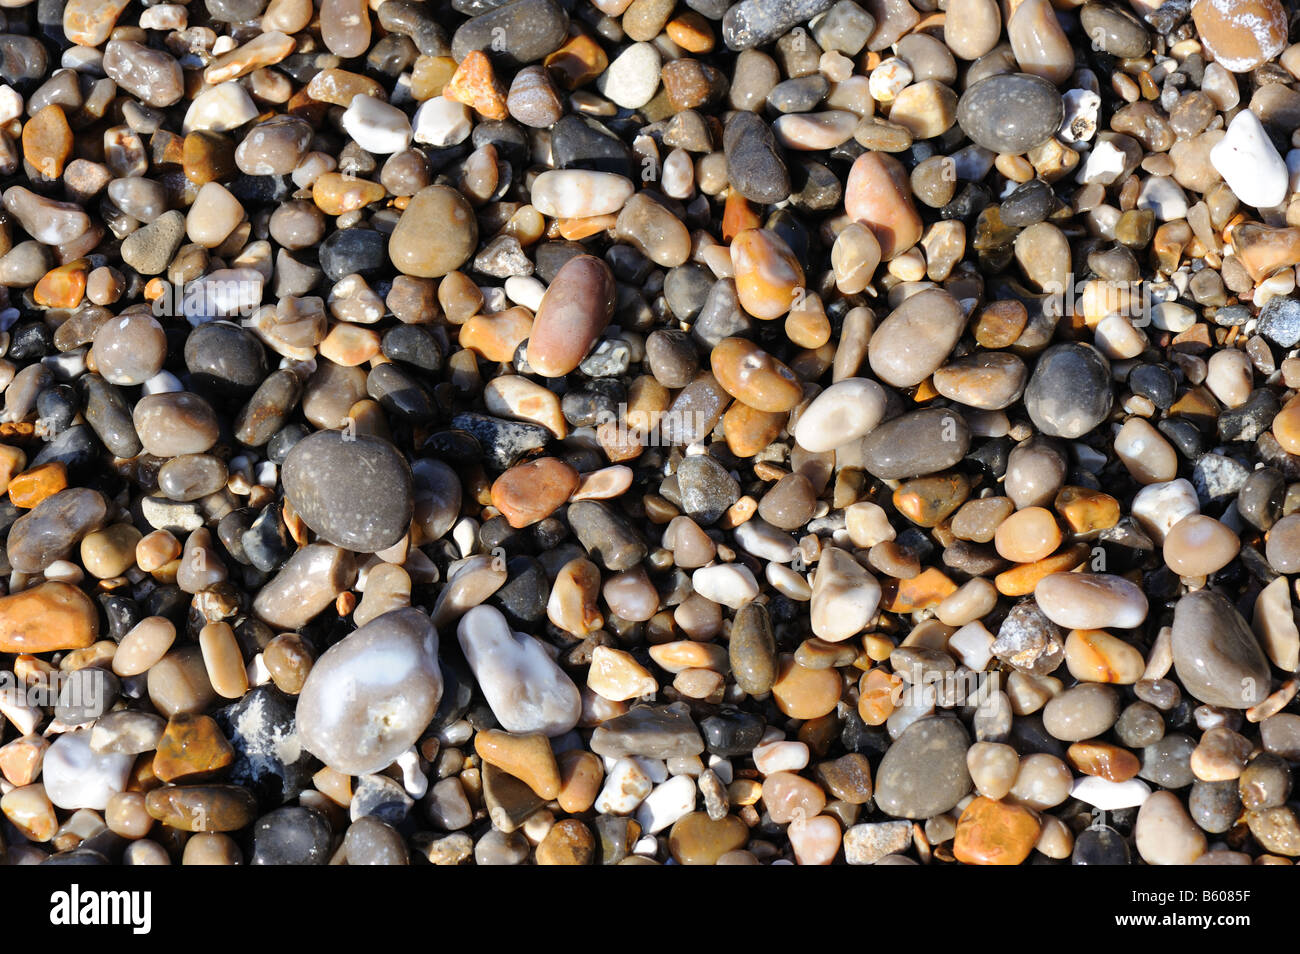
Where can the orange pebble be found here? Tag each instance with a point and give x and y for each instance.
(32, 486)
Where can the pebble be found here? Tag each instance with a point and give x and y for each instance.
(990, 832)
(706, 369)
(576, 308)
(845, 412)
(409, 245)
(1164, 833)
(878, 195)
(1069, 391)
(526, 690)
(387, 675)
(924, 772)
(1215, 655)
(1249, 164)
(916, 338)
(330, 480)
(1010, 112)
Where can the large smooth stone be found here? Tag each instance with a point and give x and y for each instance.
(1216, 656)
(368, 698)
(1069, 392)
(353, 490)
(574, 311)
(435, 235)
(924, 772)
(1010, 112)
(915, 444)
(1091, 601)
(916, 338)
(526, 690)
(76, 777)
(50, 530)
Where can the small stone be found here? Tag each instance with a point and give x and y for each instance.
(528, 693)
(995, 833)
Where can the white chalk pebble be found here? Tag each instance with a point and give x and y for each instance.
(667, 803)
(1249, 164)
(376, 126)
(441, 122)
(77, 777)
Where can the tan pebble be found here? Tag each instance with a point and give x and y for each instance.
(1028, 535)
(528, 758)
(1094, 655)
(616, 676)
(769, 279)
(878, 194)
(223, 661)
(1198, 545)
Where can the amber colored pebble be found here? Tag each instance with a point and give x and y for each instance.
(696, 839)
(47, 141)
(879, 693)
(207, 157)
(691, 32)
(928, 588)
(748, 431)
(527, 757)
(289, 661)
(579, 61)
(495, 337)
(581, 774)
(1085, 510)
(32, 486)
(750, 374)
(532, 491)
(995, 833)
(928, 501)
(1000, 323)
(569, 842)
(191, 749)
(575, 230)
(1104, 760)
(476, 85)
(335, 193)
(63, 287)
(1021, 580)
(737, 216)
(803, 693)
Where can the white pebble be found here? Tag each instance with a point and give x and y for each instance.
(730, 584)
(442, 122)
(224, 107)
(1157, 507)
(76, 777)
(1103, 166)
(632, 79)
(525, 290)
(1249, 163)
(668, 802)
(626, 786)
(1082, 107)
(1110, 796)
(1163, 196)
(780, 756)
(11, 104)
(376, 126)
